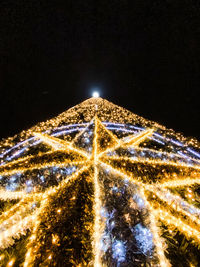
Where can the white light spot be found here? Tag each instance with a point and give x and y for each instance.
(95, 94)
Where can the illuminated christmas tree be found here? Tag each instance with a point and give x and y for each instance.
(99, 186)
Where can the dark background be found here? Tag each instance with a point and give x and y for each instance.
(142, 55)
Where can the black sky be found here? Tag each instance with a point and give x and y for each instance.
(143, 55)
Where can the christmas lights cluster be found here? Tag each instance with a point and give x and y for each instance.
(99, 186)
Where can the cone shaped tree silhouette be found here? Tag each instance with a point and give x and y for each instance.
(99, 186)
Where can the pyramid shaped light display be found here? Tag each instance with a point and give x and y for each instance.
(99, 186)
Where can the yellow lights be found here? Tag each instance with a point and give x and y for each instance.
(12, 195)
(15, 231)
(173, 203)
(105, 140)
(132, 141)
(50, 257)
(121, 173)
(182, 182)
(97, 203)
(55, 239)
(59, 211)
(53, 142)
(139, 138)
(2, 256)
(11, 263)
(171, 220)
(30, 255)
(97, 221)
(59, 144)
(160, 245)
(153, 162)
(14, 168)
(189, 190)
(22, 217)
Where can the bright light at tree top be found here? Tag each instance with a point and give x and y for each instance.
(95, 94)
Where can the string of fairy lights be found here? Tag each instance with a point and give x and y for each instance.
(149, 175)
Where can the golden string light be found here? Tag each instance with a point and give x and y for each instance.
(97, 202)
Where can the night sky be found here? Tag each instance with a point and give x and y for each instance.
(144, 57)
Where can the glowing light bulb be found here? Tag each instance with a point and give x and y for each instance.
(59, 211)
(2, 256)
(11, 262)
(95, 94)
